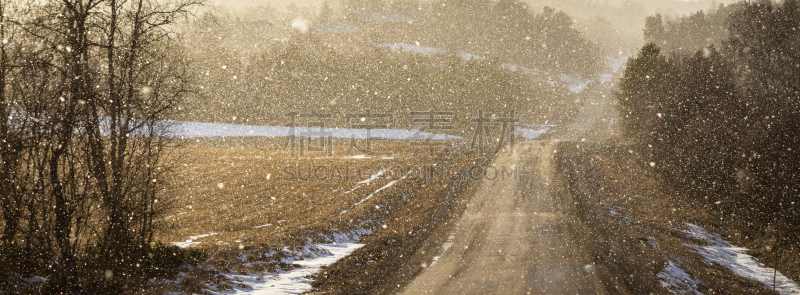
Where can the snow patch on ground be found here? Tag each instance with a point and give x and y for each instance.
(617, 62)
(310, 259)
(171, 216)
(515, 68)
(446, 246)
(388, 185)
(469, 56)
(605, 78)
(34, 279)
(415, 48)
(361, 157)
(202, 129)
(373, 177)
(677, 281)
(295, 281)
(575, 83)
(533, 131)
(737, 260)
(357, 157)
(617, 212)
(366, 181)
(191, 242)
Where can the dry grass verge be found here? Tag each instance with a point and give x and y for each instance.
(635, 220)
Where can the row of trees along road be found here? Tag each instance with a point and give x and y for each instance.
(723, 123)
(83, 85)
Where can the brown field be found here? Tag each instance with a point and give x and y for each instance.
(240, 191)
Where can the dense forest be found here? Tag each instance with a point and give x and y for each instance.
(246, 79)
(721, 122)
(305, 78)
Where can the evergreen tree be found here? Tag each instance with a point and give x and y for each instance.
(642, 91)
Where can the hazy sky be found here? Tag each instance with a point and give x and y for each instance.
(275, 3)
(281, 4)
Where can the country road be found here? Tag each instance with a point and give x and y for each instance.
(515, 237)
(521, 235)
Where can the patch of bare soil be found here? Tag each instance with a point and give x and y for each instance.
(637, 222)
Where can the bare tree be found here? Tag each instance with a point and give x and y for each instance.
(83, 157)
(143, 84)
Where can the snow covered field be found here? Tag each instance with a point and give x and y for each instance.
(201, 129)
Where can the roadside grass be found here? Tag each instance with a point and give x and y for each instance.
(638, 222)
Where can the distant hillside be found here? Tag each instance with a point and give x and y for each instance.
(256, 65)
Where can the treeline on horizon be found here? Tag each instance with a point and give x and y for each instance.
(715, 102)
(257, 84)
(508, 31)
(305, 78)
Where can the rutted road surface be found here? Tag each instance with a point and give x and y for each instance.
(520, 235)
(516, 236)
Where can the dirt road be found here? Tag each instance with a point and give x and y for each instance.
(521, 235)
(515, 237)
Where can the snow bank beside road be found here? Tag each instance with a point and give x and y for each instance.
(737, 260)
